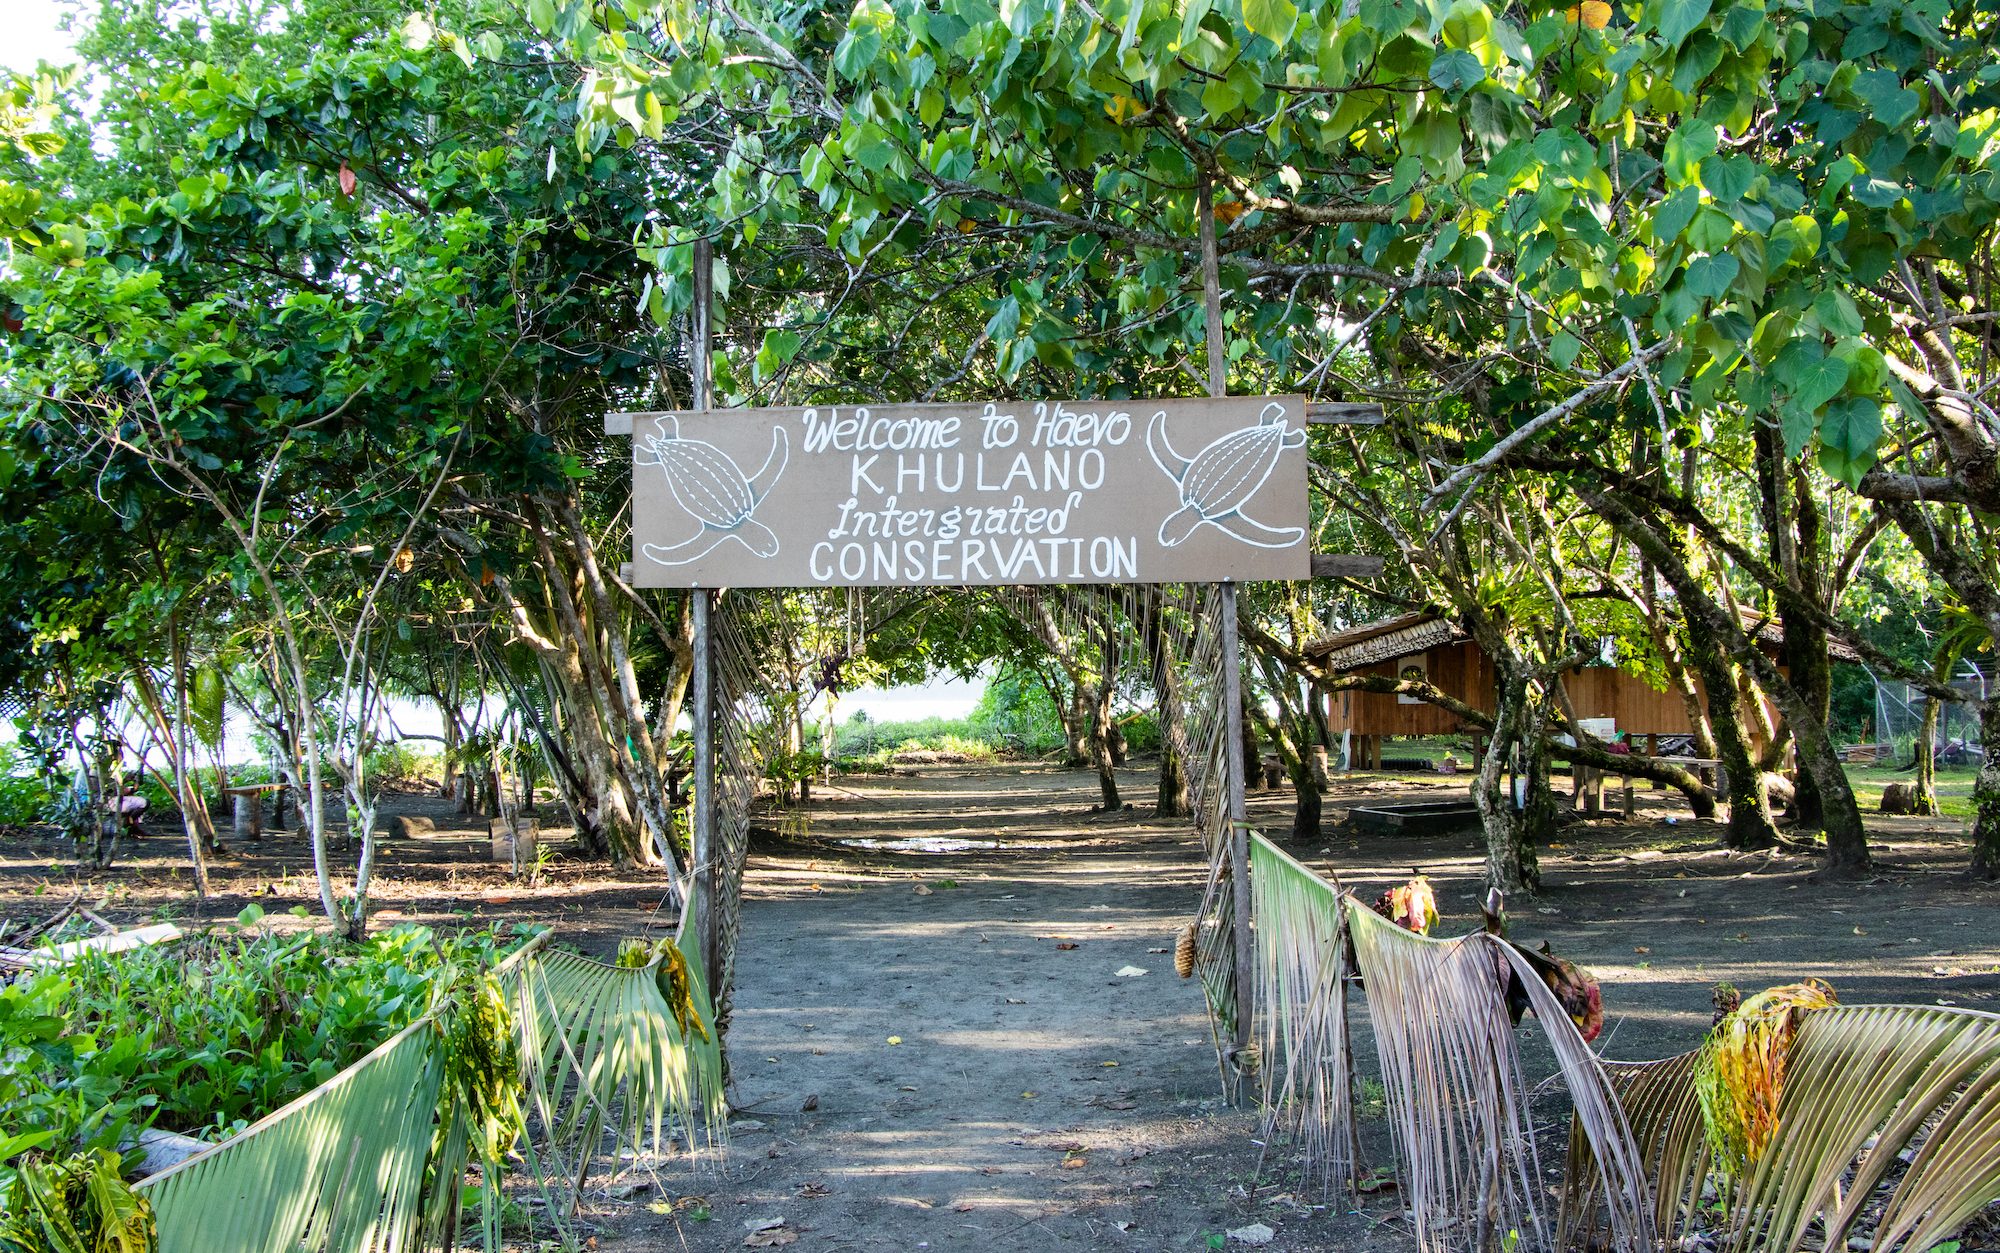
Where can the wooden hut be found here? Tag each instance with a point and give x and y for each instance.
(1436, 650)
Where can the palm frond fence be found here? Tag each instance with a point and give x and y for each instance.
(373, 1161)
(1884, 1127)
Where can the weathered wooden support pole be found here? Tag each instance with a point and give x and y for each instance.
(701, 903)
(1232, 675)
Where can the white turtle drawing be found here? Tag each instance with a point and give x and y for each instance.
(1222, 478)
(709, 484)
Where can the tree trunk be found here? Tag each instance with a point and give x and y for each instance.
(453, 737)
(1172, 799)
(1510, 859)
(1750, 825)
(1538, 815)
(1846, 836)
(1986, 795)
(1100, 746)
(1252, 750)
(1925, 799)
(1075, 712)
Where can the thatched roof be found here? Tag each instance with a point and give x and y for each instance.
(1405, 635)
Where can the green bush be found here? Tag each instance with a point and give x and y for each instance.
(403, 764)
(24, 794)
(206, 1035)
(1015, 712)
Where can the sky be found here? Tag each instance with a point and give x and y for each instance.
(28, 34)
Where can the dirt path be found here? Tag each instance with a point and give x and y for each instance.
(980, 1074)
(996, 1124)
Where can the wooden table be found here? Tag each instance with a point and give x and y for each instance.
(1588, 792)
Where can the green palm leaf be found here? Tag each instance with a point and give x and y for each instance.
(604, 1049)
(362, 1165)
(1866, 1085)
(341, 1169)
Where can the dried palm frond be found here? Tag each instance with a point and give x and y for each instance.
(1458, 1102)
(1740, 1074)
(1301, 987)
(1887, 1121)
(376, 1155)
(1896, 1106)
(1665, 1117)
(1184, 952)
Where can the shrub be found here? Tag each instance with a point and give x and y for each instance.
(204, 1036)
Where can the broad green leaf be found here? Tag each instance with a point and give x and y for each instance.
(1456, 71)
(1673, 214)
(858, 48)
(1710, 276)
(779, 347)
(1812, 377)
(1836, 312)
(1273, 19)
(1891, 103)
(1677, 19)
(1727, 178)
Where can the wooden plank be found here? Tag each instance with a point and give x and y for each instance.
(1343, 413)
(1346, 565)
(986, 493)
(618, 423)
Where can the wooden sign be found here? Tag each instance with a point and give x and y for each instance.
(985, 493)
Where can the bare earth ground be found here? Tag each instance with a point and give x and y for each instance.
(1034, 1098)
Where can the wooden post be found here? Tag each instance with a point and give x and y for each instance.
(702, 839)
(249, 814)
(1232, 676)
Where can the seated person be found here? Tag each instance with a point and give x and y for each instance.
(130, 808)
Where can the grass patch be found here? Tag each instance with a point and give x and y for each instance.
(1954, 787)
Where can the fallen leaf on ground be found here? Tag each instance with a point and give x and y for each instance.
(1066, 945)
(921, 890)
(1130, 972)
(755, 1225)
(1255, 1233)
(813, 1188)
(771, 1239)
(895, 1039)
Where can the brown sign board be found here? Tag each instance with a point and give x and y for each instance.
(981, 493)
